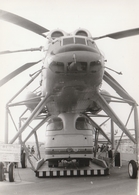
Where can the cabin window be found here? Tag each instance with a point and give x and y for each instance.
(80, 41)
(68, 41)
(53, 46)
(57, 67)
(83, 124)
(74, 40)
(54, 124)
(91, 43)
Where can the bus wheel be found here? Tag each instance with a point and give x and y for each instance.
(23, 160)
(132, 169)
(11, 172)
(1, 171)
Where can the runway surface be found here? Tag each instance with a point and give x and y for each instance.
(118, 182)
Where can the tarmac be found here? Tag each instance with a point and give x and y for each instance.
(118, 182)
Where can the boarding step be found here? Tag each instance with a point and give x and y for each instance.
(96, 167)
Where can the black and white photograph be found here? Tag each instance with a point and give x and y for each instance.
(69, 97)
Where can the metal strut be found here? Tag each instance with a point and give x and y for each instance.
(105, 106)
(35, 112)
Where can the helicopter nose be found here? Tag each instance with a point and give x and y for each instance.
(77, 67)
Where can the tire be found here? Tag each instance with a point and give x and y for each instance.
(132, 169)
(23, 160)
(1, 171)
(11, 172)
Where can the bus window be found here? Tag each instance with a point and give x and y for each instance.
(54, 124)
(83, 124)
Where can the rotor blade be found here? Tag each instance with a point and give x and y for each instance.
(121, 34)
(27, 24)
(21, 50)
(17, 71)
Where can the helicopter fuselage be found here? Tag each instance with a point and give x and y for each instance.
(73, 71)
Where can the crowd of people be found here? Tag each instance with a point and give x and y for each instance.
(31, 149)
(106, 149)
(103, 148)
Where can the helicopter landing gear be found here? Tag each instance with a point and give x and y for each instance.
(1, 171)
(132, 169)
(11, 172)
(24, 160)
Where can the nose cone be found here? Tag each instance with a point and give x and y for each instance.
(77, 67)
(73, 72)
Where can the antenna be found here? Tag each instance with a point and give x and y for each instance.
(120, 73)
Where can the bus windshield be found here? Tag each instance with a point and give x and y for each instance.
(54, 124)
(83, 124)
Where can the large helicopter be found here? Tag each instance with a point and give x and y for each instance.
(72, 72)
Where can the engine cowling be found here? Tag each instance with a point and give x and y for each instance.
(82, 32)
(56, 34)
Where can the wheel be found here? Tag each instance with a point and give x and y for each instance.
(132, 169)
(23, 160)
(11, 172)
(1, 171)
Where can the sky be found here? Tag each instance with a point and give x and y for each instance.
(98, 16)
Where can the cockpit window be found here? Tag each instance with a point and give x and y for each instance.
(54, 124)
(95, 66)
(80, 67)
(57, 67)
(80, 41)
(83, 124)
(67, 41)
(92, 44)
(74, 40)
